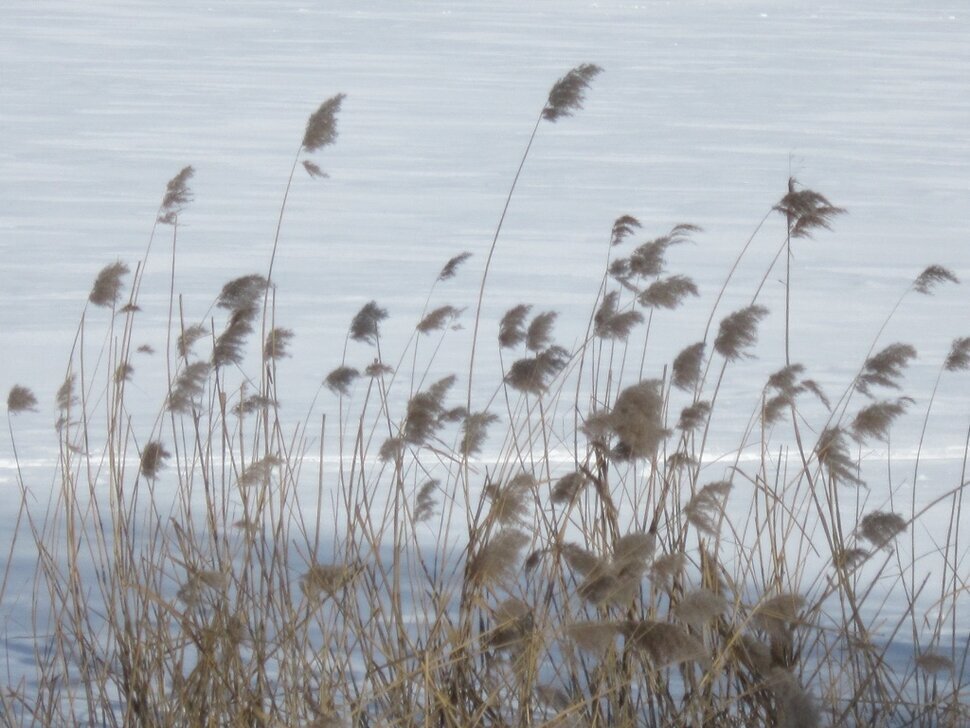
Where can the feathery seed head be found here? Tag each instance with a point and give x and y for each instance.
(568, 93)
(959, 357)
(832, 452)
(277, 341)
(806, 210)
(927, 280)
(623, 227)
(321, 127)
(153, 456)
(668, 292)
(876, 419)
(885, 367)
(107, 286)
(365, 326)
(21, 399)
(177, 195)
(568, 487)
(474, 431)
(452, 266)
(738, 332)
(880, 527)
(637, 419)
(438, 318)
(610, 323)
(694, 416)
(686, 369)
(511, 329)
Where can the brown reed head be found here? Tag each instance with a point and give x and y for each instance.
(739, 331)
(321, 127)
(108, 285)
(568, 93)
(21, 399)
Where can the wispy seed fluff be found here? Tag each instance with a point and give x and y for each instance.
(739, 331)
(611, 323)
(177, 195)
(21, 399)
(568, 93)
(321, 127)
(451, 267)
(623, 227)
(959, 357)
(365, 326)
(927, 280)
(881, 527)
(885, 367)
(153, 457)
(107, 286)
(637, 420)
(686, 369)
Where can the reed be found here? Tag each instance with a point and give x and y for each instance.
(572, 551)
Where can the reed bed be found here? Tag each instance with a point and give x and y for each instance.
(567, 551)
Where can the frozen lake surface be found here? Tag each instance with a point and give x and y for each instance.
(704, 110)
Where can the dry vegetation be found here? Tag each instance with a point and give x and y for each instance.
(557, 555)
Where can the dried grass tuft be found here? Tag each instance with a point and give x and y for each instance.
(568, 93)
(568, 487)
(686, 369)
(107, 286)
(663, 643)
(933, 663)
(277, 341)
(959, 357)
(365, 326)
(325, 580)
(512, 502)
(623, 227)
(425, 411)
(533, 374)
(637, 419)
(186, 340)
(438, 319)
(451, 267)
(698, 607)
(806, 210)
(153, 457)
(738, 331)
(339, 380)
(424, 502)
(21, 399)
(497, 561)
(511, 329)
(694, 416)
(188, 387)
(703, 511)
(876, 419)
(610, 323)
(880, 528)
(321, 127)
(932, 276)
(885, 367)
(177, 195)
(539, 334)
(593, 637)
(474, 432)
(668, 292)
(832, 452)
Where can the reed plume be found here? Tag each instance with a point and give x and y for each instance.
(876, 419)
(694, 416)
(533, 374)
(438, 319)
(365, 325)
(932, 276)
(880, 527)
(260, 472)
(21, 399)
(187, 339)
(832, 452)
(321, 127)
(108, 285)
(177, 195)
(668, 292)
(699, 607)
(424, 502)
(539, 334)
(568, 93)
(610, 323)
(884, 368)
(738, 332)
(637, 420)
(474, 432)
(958, 359)
(451, 267)
(153, 457)
(511, 329)
(703, 511)
(623, 227)
(663, 643)
(593, 637)
(277, 342)
(933, 663)
(188, 387)
(568, 487)
(806, 210)
(497, 561)
(425, 411)
(339, 380)
(686, 368)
